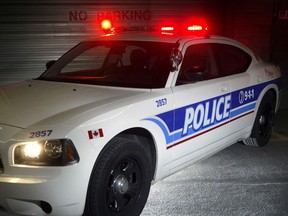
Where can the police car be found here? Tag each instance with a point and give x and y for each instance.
(121, 111)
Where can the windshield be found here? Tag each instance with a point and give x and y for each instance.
(114, 63)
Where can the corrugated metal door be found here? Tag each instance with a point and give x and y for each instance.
(34, 32)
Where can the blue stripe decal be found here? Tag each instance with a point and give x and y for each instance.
(201, 117)
(241, 110)
(169, 138)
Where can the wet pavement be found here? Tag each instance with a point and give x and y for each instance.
(239, 180)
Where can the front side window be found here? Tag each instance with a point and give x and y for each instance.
(136, 64)
(197, 65)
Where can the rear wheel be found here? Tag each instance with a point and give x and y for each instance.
(264, 122)
(120, 181)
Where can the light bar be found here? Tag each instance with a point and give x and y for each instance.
(184, 29)
(169, 29)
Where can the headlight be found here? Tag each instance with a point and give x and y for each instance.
(59, 152)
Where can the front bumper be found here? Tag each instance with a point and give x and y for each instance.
(31, 190)
(58, 193)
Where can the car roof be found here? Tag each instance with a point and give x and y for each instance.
(170, 38)
(158, 37)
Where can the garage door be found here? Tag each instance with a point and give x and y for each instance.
(33, 33)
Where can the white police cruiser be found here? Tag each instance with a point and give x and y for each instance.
(119, 112)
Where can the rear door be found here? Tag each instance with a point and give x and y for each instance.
(233, 63)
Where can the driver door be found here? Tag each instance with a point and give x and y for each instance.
(202, 105)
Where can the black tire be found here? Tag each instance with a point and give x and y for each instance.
(264, 122)
(121, 180)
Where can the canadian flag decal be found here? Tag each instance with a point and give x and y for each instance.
(95, 133)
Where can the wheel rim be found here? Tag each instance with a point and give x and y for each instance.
(124, 185)
(265, 121)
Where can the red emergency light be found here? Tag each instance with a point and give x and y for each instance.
(167, 28)
(106, 25)
(196, 28)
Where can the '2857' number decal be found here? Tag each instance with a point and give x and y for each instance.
(42, 133)
(161, 102)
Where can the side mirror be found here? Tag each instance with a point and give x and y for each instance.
(50, 63)
(175, 59)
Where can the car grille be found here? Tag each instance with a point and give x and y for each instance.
(1, 167)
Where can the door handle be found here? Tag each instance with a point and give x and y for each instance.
(224, 88)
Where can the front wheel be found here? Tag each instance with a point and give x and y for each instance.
(264, 122)
(120, 181)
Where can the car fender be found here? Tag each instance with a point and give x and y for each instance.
(270, 87)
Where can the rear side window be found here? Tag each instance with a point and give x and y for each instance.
(232, 60)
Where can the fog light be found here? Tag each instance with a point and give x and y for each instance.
(1, 167)
(46, 207)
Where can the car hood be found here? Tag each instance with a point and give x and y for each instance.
(30, 102)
